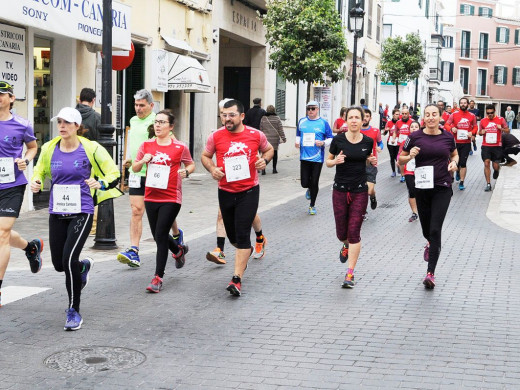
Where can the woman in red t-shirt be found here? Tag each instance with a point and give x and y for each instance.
(163, 190)
(409, 175)
(340, 124)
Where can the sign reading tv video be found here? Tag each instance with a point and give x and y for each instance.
(12, 64)
(79, 19)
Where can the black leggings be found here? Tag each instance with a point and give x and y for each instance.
(238, 211)
(275, 159)
(393, 150)
(310, 178)
(67, 235)
(432, 206)
(161, 217)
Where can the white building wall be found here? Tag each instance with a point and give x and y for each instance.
(448, 10)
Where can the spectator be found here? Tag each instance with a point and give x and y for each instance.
(272, 127)
(363, 103)
(509, 117)
(254, 114)
(91, 119)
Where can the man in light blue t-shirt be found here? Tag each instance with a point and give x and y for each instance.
(312, 135)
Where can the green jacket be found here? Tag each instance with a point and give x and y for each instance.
(103, 167)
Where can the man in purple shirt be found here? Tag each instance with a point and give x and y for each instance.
(14, 133)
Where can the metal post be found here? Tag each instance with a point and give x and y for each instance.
(105, 231)
(354, 66)
(416, 97)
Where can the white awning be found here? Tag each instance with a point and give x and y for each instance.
(187, 74)
(177, 45)
(483, 101)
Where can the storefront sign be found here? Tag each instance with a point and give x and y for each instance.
(324, 96)
(12, 62)
(79, 19)
(160, 70)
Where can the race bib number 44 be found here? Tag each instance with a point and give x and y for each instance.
(237, 168)
(66, 198)
(6, 170)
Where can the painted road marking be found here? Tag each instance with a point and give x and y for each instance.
(15, 293)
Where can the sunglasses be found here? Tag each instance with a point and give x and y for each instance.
(490, 112)
(6, 86)
(312, 108)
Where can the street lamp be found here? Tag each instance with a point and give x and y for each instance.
(356, 19)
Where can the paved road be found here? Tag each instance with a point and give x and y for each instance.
(293, 327)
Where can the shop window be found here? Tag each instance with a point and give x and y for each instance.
(280, 96)
(42, 90)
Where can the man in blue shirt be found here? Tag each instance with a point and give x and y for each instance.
(312, 135)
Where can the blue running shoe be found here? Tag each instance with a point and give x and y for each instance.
(457, 176)
(88, 264)
(180, 237)
(130, 257)
(393, 174)
(461, 186)
(308, 194)
(312, 210)
(402, 179)
(74, 320)
(33, 254)
(471, 152)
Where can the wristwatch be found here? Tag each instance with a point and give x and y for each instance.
(187, 173)
(27, 162)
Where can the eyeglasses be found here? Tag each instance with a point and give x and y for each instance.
(4, 86)
(161, 122)
(312, 108)
(60, 121)
(230, 115)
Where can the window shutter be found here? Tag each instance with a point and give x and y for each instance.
(507, 35)
(498, 34)
(462, 9)
(480, 11)
(516, 36)
(451, 71)
(514, 76)
(505, 74)
(490, 12)
(495, 75)
(472, 10)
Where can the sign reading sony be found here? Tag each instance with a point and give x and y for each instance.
(79, 19)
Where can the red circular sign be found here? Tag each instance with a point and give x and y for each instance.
(123, 62)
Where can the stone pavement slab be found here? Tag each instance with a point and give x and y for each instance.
(294, 327)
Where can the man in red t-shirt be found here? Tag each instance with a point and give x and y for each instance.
(375, 134)
(236, 169)
(463, 126)
(393, 147)
(491, 128)
(402, 131)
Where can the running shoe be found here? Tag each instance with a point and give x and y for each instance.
(130, 257)
(235, 285)
(365, 217)
(349, 281)
(343, 254)
(308, 194)
(180, 240)
(488, 187)
(260, 249)
(429, 281)
(180, 260)
(393, 174)
(401, 179)
(73, 321)
(312, 210)
(413, 218)
(457, 175)
(461, 186)
(475, 146)
(510, 163)
(88, 264)
(155, 285)
(33, 254)
(471, 152)
(495, 174)
(426, 254)
(373, 203)
(216, 256)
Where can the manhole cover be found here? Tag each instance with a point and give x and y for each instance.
(94, 359)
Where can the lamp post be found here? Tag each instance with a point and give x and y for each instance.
(356, 19)
(105, 230)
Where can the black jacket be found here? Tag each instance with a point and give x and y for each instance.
(91, 121)
(254, 116)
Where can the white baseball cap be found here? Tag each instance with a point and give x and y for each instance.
(313, 103)
(69, 114)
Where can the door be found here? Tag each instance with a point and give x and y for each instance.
(237, 85)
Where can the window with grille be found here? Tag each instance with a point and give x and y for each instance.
(280, 96)
(465, 44)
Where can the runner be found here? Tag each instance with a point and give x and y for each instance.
(350, 153)
(401, 132)
(375, 134)
(475, 111)
(491, 128)
(435, 156)
(237, 161)
(391, 142)
(340, 124)
(217, 255)
(16, 132)
(409, 176)
(312, 135)
(138, 134)
(463, 126)
(73, 163)
(163, 190)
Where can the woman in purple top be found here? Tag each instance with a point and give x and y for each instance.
(77, 168)
(436, 157)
